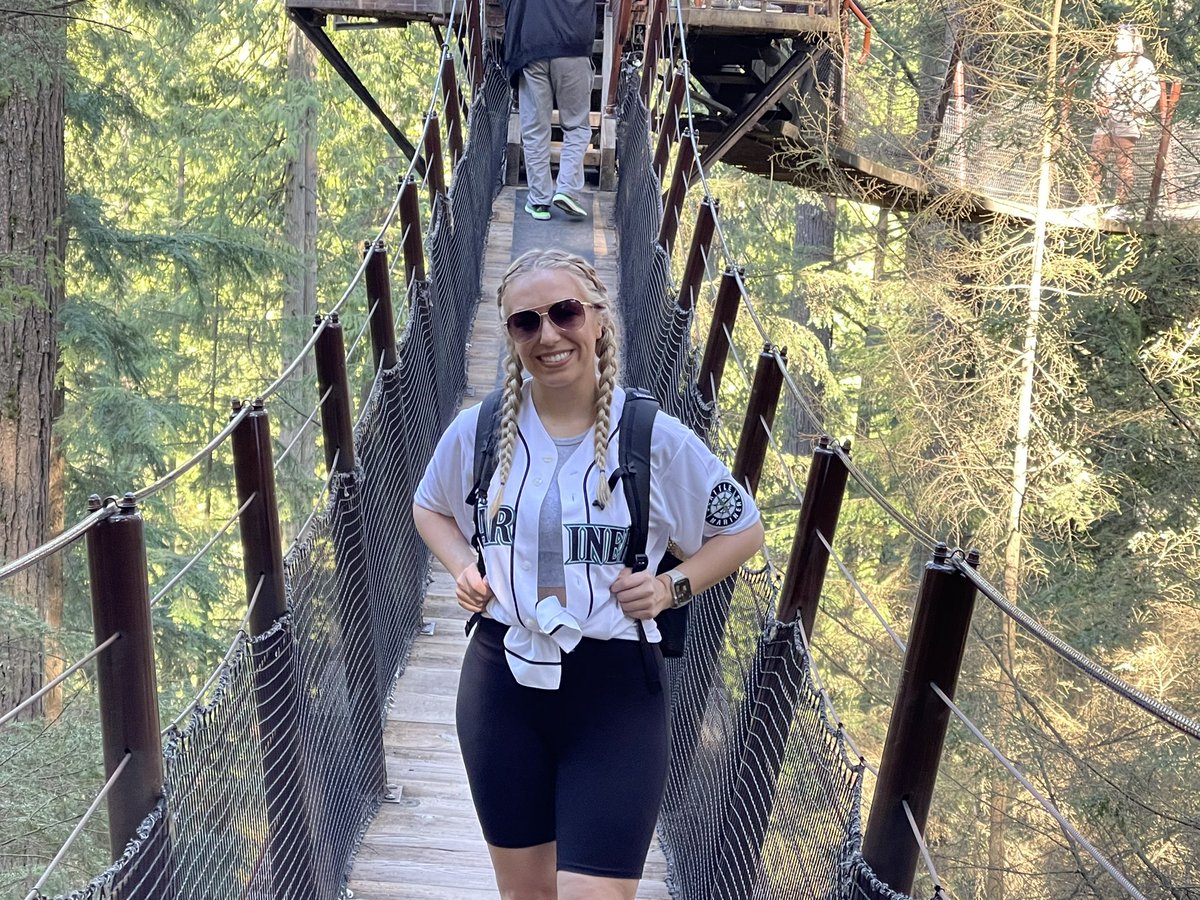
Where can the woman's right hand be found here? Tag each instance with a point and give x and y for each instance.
(472, 589)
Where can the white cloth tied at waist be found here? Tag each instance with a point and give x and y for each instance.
(535, 654)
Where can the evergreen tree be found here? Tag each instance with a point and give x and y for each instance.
(32, 248)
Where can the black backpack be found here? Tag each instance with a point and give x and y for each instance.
(633, 471)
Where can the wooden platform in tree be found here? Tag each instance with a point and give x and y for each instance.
(790, 19)
(391, 12)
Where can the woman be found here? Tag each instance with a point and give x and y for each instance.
(563, 730)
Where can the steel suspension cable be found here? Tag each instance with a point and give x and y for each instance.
(175, 474)
(52, 546)
(75, 832)
(320, 496)
(896, 639)
(361, 333)
(59, 679)
(238, 639)
(1164, 712)
(923, 847)
(859, 476)
(203, 550)
(841, 727)
(1046, 804)
(303, 428)
(1155, 707)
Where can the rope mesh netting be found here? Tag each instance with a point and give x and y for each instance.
(656, 354)
(292, 733)
(762, 798)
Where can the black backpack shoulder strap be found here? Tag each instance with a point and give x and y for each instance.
(633, 461)
(487, 439)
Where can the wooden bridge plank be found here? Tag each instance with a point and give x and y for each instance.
(428, 844)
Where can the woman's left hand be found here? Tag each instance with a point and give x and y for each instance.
(642, 595)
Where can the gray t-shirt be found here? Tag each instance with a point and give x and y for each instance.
(550, 555)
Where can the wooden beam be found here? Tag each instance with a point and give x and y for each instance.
(753, 111)
(306, 21)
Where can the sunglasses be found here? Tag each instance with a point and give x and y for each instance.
(565, 315)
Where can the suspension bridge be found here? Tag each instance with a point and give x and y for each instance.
(318, 759)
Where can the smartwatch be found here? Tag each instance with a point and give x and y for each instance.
(681, 589)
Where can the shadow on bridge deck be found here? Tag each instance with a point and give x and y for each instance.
(429, 844)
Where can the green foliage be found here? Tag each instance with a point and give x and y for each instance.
(181, 125)
(910, 346)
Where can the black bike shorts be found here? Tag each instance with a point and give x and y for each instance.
(585, 765)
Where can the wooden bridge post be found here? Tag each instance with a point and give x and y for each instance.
(433, 160)
(410, 223)
(917, 731)
(452, 98)
(772, 688)
(616, 28)
(129, 722)
(716, 348)
(653, 46)
(680, 181)
(697, 259)
(760, 416)
(353, 607)
(620, 35)
(668, 129)
(337, 418)
(1167, 100)
(379, 302)
(801, 592)
(475, 32)
(290, 841)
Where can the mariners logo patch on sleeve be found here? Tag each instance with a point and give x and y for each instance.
(725, 505)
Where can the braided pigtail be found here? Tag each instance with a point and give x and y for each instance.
(510, 405)
(606, 352)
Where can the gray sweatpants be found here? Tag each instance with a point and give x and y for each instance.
(568, 80)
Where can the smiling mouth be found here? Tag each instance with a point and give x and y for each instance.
(552, 358)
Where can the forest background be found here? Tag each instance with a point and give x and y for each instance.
(215, 186)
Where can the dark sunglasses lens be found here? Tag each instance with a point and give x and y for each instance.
(566, 314)
(524, 325)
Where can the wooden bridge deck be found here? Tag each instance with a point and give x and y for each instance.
(428, 845)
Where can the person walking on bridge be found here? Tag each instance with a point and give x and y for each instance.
(1125, 93)
(562, 716)
(548, 58)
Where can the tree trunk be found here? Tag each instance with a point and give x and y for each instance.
(56, 588)
(874, 337)
(300, 230)
(1006, 697)
(813, 241)
(32, 244)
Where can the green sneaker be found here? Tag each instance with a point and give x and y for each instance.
(540, 211)
(569, 205)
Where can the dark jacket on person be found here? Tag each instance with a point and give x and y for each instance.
(546, 29)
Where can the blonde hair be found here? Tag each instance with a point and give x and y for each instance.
(606, 356)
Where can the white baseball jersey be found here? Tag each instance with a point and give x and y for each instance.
(692, 498)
